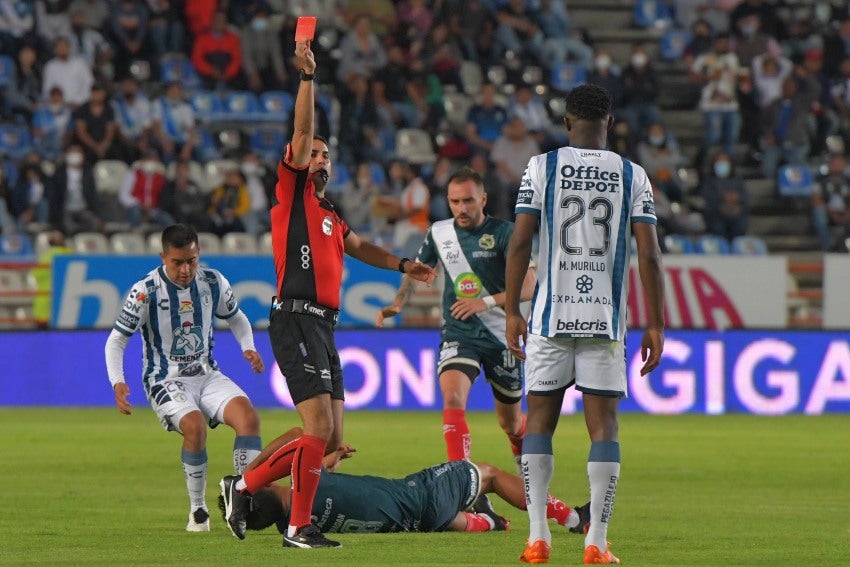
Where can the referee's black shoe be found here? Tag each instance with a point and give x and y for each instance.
(236, 506)
(309, 537)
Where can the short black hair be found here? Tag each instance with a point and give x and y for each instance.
(589, 102)
(178, 236)
(466, 173)
(322, 139)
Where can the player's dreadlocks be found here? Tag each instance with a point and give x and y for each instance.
(589, 102)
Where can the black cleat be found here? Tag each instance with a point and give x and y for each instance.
(236, 506)
(309, 537)
(583, 519)
(483, 507)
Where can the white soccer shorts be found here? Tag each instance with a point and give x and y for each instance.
(210, 393)
(597, 366)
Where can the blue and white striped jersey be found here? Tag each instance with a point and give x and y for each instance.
(586, 200)
(176, 322)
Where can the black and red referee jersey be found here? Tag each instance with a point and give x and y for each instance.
(307, 238)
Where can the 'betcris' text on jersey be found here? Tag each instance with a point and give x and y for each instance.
(586, 201)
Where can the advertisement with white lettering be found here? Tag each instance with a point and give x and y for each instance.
(701, 372)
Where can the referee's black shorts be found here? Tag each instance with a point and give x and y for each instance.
(305, 351)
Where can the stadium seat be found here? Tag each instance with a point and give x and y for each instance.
(567, 76)
(238, 243)
(749, 245)
(215, 171)
(678, 244)
(673, 44)
(17, 247)
(457, 107)
(276, 106)
(128, 244)
(712, 244)
(179, 69)
(206, 146)
(9, 170)
(42, 243)
(795, 181)
(108, 175)
(207, 106)
(209, 243)
(15, 141)
(340, 179)
(268, 143)
(497, 75)
(651, 13)
(90, 243)
(7, 70)
(241, 106)
(414, 145)
(471, 77)
(196, 172)
(154, 243)
(12, 285)
(379, 176)
(264, 244)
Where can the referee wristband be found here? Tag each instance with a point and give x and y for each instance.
(401, 264)
(489, 301)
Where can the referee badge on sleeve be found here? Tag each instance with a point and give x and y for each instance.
(328, 225)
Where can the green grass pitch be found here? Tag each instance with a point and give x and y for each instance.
(92, 487)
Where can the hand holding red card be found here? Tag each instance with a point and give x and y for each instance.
(305, 29)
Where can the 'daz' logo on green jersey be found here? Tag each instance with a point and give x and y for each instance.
(468, 285)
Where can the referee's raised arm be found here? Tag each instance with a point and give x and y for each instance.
(302, 131)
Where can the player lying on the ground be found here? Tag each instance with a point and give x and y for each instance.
(432, 500)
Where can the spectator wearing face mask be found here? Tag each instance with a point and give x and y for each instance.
(357, 202)
(640, 91)
(95, 128)
(141, 192)
(51, 125)
(30, 203)
(659, 155)
(726, 199)
(74, 203)
(134, 116)
(173, 124)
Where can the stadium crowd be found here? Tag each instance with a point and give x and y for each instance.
(194, 97)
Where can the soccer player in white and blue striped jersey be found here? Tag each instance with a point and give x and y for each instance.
(174, 307)
(587, 202)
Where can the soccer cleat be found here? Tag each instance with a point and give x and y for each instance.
(483, 506)
(199, 521)
(537, 552)
(583, 519)
(309, 537)
(236, 506)
(592, 555)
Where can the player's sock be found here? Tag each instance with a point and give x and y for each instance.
(538, 465)
(456, 433)
(603, 472)
(195, 471)
(245, 449)
(516, 440)
(277, 466)
(306, 470)
(561, 513)
(478, 522)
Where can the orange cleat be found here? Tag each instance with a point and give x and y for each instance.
(538, 552)
(592, 556)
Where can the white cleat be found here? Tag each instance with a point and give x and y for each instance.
(199, 521)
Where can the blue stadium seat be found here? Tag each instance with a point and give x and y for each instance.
(15, 141)
(673, 44)
(207, 106)
(712, 244)
(795, 181)
(648, 12)
(268, 143)
(206, 145)
(567, 76)
(10, 171)
(749, 245)
(7, 70)
(180, 70)
(340, 177)
(17, 248)
(241, 106)
(678, 244)
(276, 106)
(379, 175)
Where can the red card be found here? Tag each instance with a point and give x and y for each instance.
(305, 29)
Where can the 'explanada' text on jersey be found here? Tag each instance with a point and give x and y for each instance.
(474, 264)
(586, 200)
(307, 238)
(176, 322)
